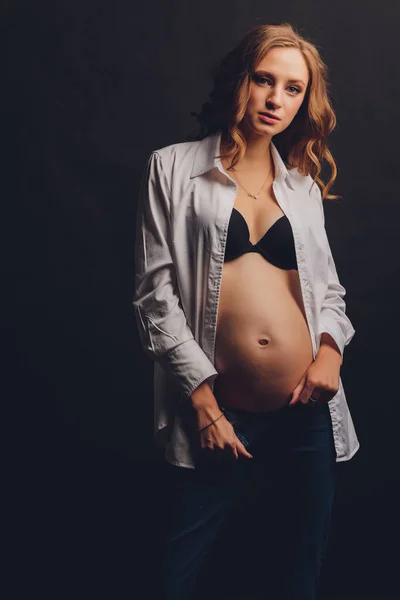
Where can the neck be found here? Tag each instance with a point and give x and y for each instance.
(258, 149)
(257, 156)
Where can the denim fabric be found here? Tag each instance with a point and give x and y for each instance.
(294, 455)
(247, 425)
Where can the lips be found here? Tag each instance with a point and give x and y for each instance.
(270, 116)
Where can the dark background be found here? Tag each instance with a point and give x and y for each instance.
(88, 90)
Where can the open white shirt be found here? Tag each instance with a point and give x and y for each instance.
(185, 202)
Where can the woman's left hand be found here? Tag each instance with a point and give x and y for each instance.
(321, 380)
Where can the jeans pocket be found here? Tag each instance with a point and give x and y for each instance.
(237, 425)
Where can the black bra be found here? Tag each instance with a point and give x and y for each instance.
(276, 245)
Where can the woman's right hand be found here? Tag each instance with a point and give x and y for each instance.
(219, 440)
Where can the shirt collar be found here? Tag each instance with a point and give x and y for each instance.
(209, 147)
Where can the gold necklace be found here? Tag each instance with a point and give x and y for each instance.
(255, 196)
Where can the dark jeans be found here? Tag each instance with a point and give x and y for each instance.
(294, 456)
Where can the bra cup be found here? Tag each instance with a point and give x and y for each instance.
(237, 241)
(276, 245)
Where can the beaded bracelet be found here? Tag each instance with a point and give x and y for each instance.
(212, 422)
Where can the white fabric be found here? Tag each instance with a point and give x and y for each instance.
(185, 203)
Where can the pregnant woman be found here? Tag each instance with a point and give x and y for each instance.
(238, 303)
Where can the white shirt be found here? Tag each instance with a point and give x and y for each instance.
(185, 202)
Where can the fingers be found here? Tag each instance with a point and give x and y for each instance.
(230, 451)
(221, 442)
(242, 450)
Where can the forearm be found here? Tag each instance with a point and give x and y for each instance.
(200, 407)
(203, 401)
(328, 347)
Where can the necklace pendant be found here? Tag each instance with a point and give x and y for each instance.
(252, 196)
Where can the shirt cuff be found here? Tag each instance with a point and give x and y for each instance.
(188, 365)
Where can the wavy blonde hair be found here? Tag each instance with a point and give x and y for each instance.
(303, 144)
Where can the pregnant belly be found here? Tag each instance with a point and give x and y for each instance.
(263, 344)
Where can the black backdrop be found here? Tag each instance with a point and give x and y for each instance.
(88, 90)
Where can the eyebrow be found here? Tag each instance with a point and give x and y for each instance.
(273, 76)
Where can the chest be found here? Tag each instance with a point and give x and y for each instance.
(259, 213)
(201, 211)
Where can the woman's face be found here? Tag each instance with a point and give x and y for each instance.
(278, 86)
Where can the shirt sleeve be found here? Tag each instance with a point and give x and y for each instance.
(163, 329)
(333, 318)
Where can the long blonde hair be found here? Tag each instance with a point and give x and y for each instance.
(303, 144)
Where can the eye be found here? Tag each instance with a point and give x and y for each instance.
(261, 80)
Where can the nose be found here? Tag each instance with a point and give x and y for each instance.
(275, 98)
